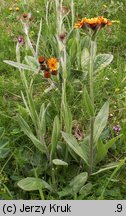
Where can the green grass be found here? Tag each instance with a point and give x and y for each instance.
(23, 159)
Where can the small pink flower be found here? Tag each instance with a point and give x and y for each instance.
(21, 40)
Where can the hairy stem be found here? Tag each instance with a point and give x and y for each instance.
(91, 83)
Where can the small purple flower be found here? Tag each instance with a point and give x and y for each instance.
(117, 129)
(21, 40)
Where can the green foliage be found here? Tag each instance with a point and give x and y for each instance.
(55, 135)
(59, 162)
(75, 185)
(101, 121)
(71, 141)
(101, 61)
(4, 150)
(31, 121)
(87, 102)
(31, 184)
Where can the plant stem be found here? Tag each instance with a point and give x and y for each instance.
(39, 186)
(91, 82)
(53, 178)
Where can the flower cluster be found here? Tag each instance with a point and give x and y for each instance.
(93, 23)
(49, 66)
(14, 7)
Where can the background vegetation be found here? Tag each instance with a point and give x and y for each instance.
(20, 158)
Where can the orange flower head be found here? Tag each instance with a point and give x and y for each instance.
(93, 23)
(47, 74)
(52, 64)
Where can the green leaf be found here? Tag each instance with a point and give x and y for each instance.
(87, 102)
(85, 42)
(27, 130)
(101, 61)
(3, 143)
(4, 153)
(118, 167)
(55, 135)
(85, 145)
(21, 66)
(102, 149)
(86, 189)
(38, 39)
(107, 167)
(65, 192)
(59, 162)
(77, 182)
(101, 121)
(72, 47)
(42, 119)
(75, 185)
(85, 56)
(31, 184)
(111, 142)
(31, 61)
(2, 130)
(67, 118)
(73, 144)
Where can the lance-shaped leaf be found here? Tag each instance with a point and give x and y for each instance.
(84, 58)
(31, 184)
(72, 46)
(107, 167)
(42, 118)
(21, 66)
(101, 61)
(38, 39)
(1, 132)
(67, 118)
(87, 102)
(101, 121)
(55, 135)
(74, 145)
(27, 130)
(102, 149)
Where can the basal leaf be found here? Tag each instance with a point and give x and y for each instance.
(31, 184)
(78, 182)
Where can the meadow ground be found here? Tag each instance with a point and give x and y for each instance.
(68, 177)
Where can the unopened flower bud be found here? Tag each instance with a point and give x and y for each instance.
(47, 74)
